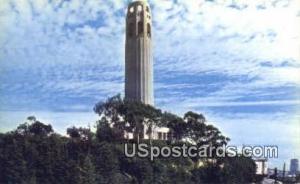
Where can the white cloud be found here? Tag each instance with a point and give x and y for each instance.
(241, 39)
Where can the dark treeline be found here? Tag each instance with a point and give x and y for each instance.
(34, 153)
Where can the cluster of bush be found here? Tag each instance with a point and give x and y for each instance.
(34, 153)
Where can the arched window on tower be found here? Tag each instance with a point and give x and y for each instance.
(140, 28)
(140, 8)
(130, 29)
(149, 30)
(131, 9)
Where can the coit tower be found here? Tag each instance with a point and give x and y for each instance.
(138, 53)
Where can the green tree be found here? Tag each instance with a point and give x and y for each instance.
(106, 162)
(34, 153)
(105, 132)
(88, 171)
(127, 115)
(201, 133)
(176, 124)
(12, 161)
(138, 115)
(210, 174)
(238, 170)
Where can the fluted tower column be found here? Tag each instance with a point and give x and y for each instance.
(138, 53)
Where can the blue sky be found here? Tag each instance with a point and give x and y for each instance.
(237, 62)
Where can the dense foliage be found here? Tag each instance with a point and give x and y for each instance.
(34, 153)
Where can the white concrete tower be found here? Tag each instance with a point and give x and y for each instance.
(138, 53)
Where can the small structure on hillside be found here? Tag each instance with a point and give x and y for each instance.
(261, 166)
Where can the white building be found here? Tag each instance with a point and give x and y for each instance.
(261, 166)
(157, 133)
